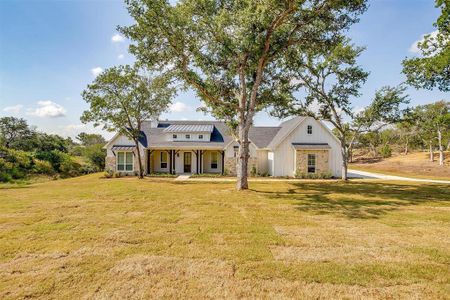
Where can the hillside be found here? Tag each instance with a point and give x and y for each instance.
(411, 165)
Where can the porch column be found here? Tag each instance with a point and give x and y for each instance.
(196, 161)
(223, 161)
(172, 162)
(201, 161)
(149, 166)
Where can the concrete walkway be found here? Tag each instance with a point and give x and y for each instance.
(371, 175)
(183, 177)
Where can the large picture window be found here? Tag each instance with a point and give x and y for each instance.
(125, 161)
(311, 163)
(214, 159)
(163, 160)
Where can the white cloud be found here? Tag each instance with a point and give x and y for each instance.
(47, 109)
(414, 48)
(15, 110)
(96, 71)
(117, 38)
(120, 56)
(179, 107)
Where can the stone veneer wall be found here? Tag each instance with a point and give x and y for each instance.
(230, 165)
(110, 164)
(322, 164)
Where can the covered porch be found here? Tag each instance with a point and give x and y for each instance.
(185, 161)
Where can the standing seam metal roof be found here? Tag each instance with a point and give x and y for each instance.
(206, 128)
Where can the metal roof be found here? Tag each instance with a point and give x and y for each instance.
(123, 147)
(205, 128)
(311, 146)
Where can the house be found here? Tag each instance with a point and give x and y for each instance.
(300, 145)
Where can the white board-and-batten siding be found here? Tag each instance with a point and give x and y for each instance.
(283, 163)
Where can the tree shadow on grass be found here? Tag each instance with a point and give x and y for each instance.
(357, 199)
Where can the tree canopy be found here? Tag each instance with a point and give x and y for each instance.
(432, 68)
(122, 97)
(236, 54)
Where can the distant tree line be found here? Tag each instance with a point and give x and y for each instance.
(422, 128)
(26, 152)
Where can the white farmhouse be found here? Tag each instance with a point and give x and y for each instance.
(299, 146)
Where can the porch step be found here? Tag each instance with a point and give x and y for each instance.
(183, 177)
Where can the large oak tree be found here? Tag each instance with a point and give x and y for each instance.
(330, 81)
(234, 53)
(122, 97)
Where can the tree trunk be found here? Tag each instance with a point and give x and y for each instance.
(441, 149)
(344, 153)
(431, 152)
(406, 146)
(243, 155)
(141, 173)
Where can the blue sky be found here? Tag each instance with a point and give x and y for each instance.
(50, 51)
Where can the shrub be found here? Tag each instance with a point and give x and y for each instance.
(5, 170)
(386, 151)
(68, 167)
(96, 156)
(77, 151)
(14, 164)
(321, 175)
(43, 167)
(5, 177)
(253, 171)
(108, 173)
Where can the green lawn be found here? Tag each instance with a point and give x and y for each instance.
(100, 238)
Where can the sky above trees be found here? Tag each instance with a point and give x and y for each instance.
(50, 51)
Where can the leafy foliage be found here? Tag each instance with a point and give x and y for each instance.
(89, 139)
(432, 69)
(122, 97)
(25, 152)
(236, 54)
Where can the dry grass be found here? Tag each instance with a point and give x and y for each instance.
(155, 238)
(416, 165)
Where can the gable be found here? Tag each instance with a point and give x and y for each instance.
(320, 133)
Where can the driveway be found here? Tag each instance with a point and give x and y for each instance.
(371, 175)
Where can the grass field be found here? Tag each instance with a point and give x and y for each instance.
(415, 165)
(89, 237)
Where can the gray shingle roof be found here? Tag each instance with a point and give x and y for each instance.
(262, 136)
(202, 128)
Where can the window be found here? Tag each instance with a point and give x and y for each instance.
(311, 163)
(125, 161)
(214, 158)
(188, 136)
(163, 160)
(200, 136)
(174, 136)
(309, 129)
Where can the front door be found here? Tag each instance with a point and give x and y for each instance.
(187, 162)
